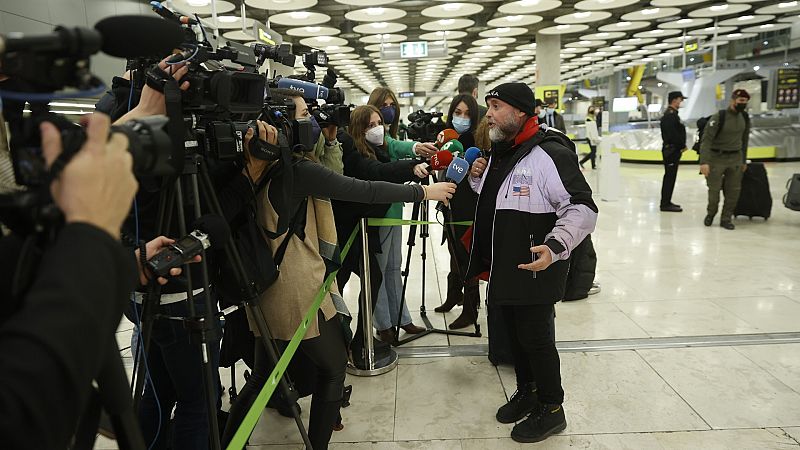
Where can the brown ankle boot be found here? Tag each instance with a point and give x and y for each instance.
(469, 315)
(387, 336)
(454, 294)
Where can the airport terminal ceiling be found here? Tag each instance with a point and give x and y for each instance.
(495, 39)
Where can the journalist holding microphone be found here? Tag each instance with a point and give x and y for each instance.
(309, 254)
(534, 207)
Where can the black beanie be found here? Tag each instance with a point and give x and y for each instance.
(518, 95)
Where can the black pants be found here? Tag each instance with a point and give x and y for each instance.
(533, 345)
(671, 162)
(592, 155)
(328, 353)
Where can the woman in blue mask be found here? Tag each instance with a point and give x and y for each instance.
(391, 238)
(462, 117)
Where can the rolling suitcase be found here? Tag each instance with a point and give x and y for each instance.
(791, 199)
(755, 198)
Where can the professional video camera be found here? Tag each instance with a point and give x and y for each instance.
(421, 126)
(40, 65)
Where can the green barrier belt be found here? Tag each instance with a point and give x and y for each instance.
(249, 423)
(383, 222)
(251, 419)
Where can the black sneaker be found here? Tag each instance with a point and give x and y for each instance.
(547, 420)
(708, 220)
(728, 225)
(520, 405)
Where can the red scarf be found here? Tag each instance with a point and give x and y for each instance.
(530, 128)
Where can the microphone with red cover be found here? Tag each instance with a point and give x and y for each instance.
(446, 136)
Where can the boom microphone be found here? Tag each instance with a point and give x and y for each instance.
(209, 229)
(472, 154)
(121, 36)
(446, 136)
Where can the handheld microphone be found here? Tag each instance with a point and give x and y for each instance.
(455, 174)
(311, 91)
(446, 136)
(454, 146)
(121, 36)
(209, 229)
(472, 154)
(440, 160)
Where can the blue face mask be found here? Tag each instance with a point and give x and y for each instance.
(388, 113)
(315, 129)
(461, 124)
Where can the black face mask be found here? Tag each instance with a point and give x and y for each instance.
(740, 107)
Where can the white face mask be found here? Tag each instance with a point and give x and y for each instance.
(542, 113)
(375, 135)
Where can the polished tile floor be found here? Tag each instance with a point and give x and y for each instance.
(663, 276)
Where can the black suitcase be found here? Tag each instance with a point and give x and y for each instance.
(791, 199)
(755, 198)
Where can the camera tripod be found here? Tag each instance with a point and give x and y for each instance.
(202, 328)
(421, 210)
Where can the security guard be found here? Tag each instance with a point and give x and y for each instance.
(723, 156)
(673, 135)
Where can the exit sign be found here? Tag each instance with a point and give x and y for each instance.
(414, 49)
(691, 47)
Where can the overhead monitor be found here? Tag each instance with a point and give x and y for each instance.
(654, 108)
(625, 104)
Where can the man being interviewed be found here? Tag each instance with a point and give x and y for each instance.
(534, 208)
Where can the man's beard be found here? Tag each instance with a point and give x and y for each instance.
(503, 131)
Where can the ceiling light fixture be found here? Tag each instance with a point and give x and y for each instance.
(375, 11)
(198, 2)
(623, 24)
(684, 21)
(562, 27)
(745, 18)
(787, 4)
(313, 29)
(300, 14)
(503, 30)
(582, 14)
(447, 21)
(452, 6)
(768, 25)
(651, 11)
(719, 7)
(514, 18)
(379, 25)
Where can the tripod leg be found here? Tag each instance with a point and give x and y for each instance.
(251, 296)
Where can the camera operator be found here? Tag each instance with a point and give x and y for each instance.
(310, 253)
(174, 362)
(54, 342)
(327, 150)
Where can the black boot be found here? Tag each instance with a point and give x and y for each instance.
(469, 315)
(323, 419)
(454, 295)
(543, 422)
(520, 405)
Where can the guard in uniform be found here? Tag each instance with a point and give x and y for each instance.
(673, 136)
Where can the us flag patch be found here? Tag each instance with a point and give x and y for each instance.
(521, 191)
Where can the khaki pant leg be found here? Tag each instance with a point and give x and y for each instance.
(714, 182)
(731, 187)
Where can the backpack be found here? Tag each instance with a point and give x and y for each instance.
(260, 265)
(703, 121)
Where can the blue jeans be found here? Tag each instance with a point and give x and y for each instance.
(176, 378)
(390, 294)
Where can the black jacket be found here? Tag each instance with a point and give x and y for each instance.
(673, 131)
(356, 165)
(543, 194)
(54, 345)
